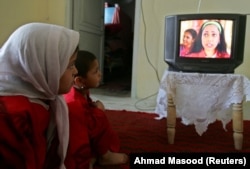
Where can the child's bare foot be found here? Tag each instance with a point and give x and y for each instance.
(111, 158)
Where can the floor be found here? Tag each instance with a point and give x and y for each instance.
(122, 101)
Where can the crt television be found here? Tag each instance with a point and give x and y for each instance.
(231, 28)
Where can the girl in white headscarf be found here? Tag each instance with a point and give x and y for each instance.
(36, 68)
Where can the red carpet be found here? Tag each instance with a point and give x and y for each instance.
(140, 132)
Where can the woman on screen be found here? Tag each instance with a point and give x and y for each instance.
(210, 42)
(187, 41)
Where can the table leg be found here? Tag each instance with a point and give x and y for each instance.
(171, 120)
(238, 126)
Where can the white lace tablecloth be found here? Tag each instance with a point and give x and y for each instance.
(200, 99)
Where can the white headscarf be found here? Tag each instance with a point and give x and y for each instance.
(31, 63)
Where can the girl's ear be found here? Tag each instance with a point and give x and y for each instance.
(78, 81)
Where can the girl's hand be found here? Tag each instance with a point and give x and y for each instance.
(99, 105)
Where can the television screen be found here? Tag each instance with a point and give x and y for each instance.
(214, 40)
(209, 43)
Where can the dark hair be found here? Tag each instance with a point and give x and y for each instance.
(221, 47)
(83, 62)
(192, 32)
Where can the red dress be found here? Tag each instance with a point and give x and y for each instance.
(23, 128)
(90, 132)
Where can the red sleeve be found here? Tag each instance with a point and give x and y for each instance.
(103, 137)
(22, 133)
(79, 153)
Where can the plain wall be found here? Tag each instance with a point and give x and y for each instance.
(15, 13)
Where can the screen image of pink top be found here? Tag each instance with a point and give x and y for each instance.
(202, 54)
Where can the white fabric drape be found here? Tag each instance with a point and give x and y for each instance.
(32, 61)
(200, 99)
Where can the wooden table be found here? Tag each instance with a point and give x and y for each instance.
(201, 99)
